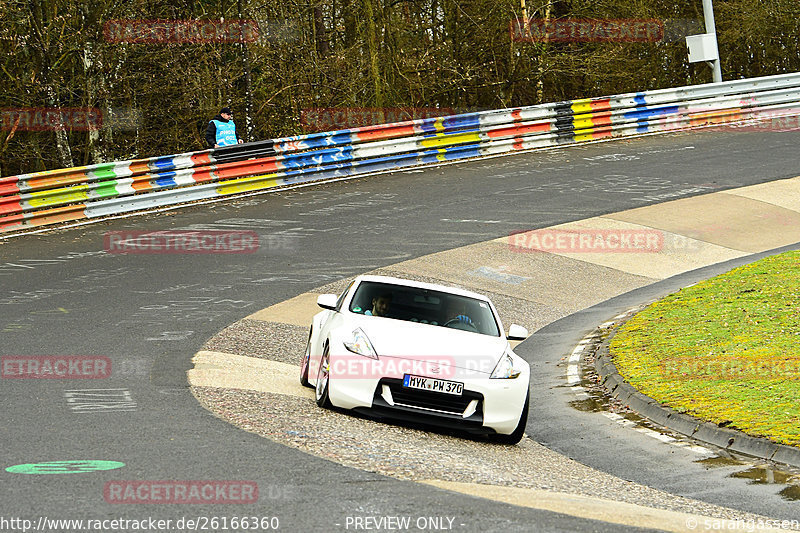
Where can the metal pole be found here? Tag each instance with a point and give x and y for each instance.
(708, 15)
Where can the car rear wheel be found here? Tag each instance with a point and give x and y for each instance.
(323, 377)
(516, 436)
(304, 363)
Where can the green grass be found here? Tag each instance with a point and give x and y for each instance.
(725, 350)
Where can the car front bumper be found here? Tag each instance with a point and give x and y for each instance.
(486, 405)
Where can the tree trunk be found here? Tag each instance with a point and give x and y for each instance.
(374, 59)
(248, 84)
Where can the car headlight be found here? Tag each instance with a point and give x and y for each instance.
(505, 368)
(360, 344)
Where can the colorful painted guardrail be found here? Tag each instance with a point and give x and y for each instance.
(90, 192)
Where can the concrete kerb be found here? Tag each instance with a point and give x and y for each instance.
(706, 432)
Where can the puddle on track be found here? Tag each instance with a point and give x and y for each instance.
(766, 475)
(719, 462)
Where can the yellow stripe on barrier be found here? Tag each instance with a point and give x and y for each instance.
(582, 106)
(583, 123)
(250, 183)
(446, 140)
(65, 195)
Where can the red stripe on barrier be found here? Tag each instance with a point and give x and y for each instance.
(201, 159)
(57, 181)
(204, 175)
(385, 133)
(11, 205)
(601, 105)
(59, 214)
(9, 186)
(12, 222)
(139, 167)
(541, 127)
(247, 168)
(142, 183)
(602, 134)
(603, 119)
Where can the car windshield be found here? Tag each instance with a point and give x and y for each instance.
(424, 306)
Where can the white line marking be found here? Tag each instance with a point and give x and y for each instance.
(655, 434)
(572, 375)
(693, 448)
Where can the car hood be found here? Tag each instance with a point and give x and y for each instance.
(437, 345)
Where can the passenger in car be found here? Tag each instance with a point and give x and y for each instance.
(380, 305)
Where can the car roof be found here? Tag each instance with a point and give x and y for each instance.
(421, 285)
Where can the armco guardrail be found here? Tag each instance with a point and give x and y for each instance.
(51, 197)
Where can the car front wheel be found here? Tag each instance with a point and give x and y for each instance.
(323, 378)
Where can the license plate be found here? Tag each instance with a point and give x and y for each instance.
(434, 385)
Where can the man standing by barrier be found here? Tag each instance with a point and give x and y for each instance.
(221, 130)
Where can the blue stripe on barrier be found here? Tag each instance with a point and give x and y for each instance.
(460, 152)
(162, 163)
(165, 180)
(639, 99)
(468, 120)
(645, 113)
(318, 157)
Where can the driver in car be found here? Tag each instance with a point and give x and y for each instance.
(457, 312)
(380, 305)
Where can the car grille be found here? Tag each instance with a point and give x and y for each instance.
(432, 401)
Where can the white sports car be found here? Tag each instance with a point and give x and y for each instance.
(401, 349)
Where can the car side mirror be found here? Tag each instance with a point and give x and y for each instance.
(517, 333)
(327, 301)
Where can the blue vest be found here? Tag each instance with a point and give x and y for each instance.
(226, 132)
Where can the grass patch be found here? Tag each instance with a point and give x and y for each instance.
(725, 350)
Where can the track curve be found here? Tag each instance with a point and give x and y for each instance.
(148, 314)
